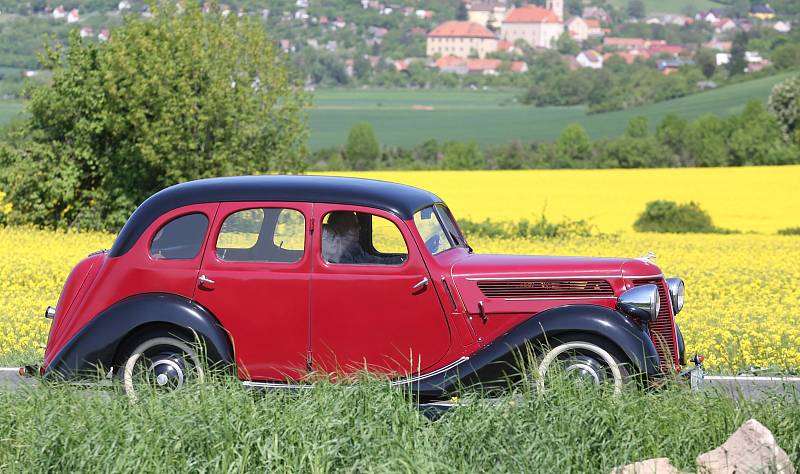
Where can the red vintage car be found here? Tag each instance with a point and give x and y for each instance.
(284, 276)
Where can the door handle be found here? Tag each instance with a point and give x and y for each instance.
(422, 283)
(204, 280)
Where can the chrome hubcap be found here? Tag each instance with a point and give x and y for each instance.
(168, 372)
(584, 369)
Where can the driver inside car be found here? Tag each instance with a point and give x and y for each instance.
(341, 242)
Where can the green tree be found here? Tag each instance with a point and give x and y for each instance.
(463, 156)
(636, 9)
(707, 61)
(566, 45)
(638, 127)
(671, 133)
(784, 103)
(172, 98)
(737, 63)
(573, 147)
(461, 12)
(362, 149)
(706, 142)
(786, 56)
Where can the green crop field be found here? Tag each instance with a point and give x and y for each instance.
(671, 6)
(8, 110)
(409, 117)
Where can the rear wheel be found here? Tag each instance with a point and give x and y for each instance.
(584, 360)
(160, 364)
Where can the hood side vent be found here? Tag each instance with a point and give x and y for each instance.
(534, 289)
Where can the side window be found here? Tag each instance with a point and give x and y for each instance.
(357, 238)
(180, 238)
(270, 235)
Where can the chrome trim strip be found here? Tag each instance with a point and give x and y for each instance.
(435, 372)
(249, 383)
(560, 298)
(567, 277)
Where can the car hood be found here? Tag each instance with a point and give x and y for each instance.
(472, 269)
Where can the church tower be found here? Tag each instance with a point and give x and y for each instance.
(556, 6)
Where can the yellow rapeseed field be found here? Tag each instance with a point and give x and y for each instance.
(750, 199)
(743, 299)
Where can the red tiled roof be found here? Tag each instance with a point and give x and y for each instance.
(674, 49)
(460, 29)
(531, 14)
(591, 23)
(519, 66)
(483, 64)
(504, 45)
(448, 61)
(627, 42)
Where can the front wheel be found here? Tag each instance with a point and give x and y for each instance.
(585, 361)
(161, 364)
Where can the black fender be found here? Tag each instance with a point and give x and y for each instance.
(96, 344)
(499, 361)
(681, 346)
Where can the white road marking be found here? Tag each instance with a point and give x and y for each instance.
(9, 369)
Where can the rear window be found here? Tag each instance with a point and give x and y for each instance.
(180, 238)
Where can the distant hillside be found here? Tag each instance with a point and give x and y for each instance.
(402, 117)
(671, 6)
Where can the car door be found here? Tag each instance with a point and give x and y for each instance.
(255, 279)
(381, 314)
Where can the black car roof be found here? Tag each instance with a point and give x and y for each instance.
(399, 199)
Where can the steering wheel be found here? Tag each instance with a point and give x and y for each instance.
(432, 243)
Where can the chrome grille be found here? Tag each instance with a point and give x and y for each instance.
(662, 330)
(545, 288)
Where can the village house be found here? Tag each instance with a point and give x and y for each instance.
(74, 16)
(488, 14)
(762, 12)
(782, 26)
(461, 39)
(724, 25)
(596, 13)
(485, 67)
(86, 32)
(59, 12)
(104, 35)
(124, 5)
(580, 29)
(539, 27)
(589, 58)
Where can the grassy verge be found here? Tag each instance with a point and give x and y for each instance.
(221, 427)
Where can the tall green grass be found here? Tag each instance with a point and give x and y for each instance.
(369, 427)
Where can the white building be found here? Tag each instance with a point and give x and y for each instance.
(539, 27)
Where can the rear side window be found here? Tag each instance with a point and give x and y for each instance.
(271, 235)
(180, 238)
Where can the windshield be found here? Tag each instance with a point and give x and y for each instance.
(436, 226)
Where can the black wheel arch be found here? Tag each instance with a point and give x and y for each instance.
(499, 362)
(102, 342)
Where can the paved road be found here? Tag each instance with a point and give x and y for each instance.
(738, 386)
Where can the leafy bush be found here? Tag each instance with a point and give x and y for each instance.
(789, 231)
(669, 216)
(542, 228)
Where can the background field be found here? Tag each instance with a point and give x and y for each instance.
(493, 117)
(749, 199)
(486, 117)
(8, 110)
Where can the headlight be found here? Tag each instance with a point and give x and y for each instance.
(641, 302)
(677, 293)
